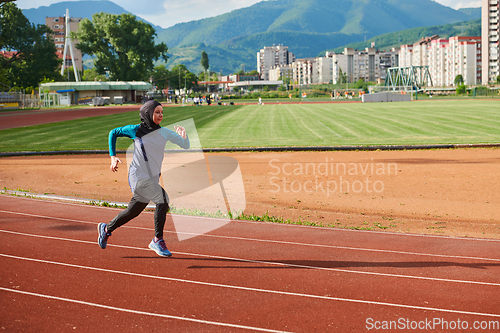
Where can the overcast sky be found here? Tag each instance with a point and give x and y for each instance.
(177, 11)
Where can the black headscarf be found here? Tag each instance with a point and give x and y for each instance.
(147, 126)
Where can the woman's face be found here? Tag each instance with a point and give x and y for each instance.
(158, 115)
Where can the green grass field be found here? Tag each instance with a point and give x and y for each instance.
(337, 124)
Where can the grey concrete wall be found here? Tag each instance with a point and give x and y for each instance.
(385, 97)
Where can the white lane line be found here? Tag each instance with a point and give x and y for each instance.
(102, 306)
(275, 241)
(270, 263)
(386, 233)
(253, 289)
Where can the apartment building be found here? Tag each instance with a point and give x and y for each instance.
(490, 25)
(446, 58)
(273, 56)
(437, 54)
(281, 72)
(324, 69)
(369, 65)
(463, 58)
(58, 25)
(416, 54)
(304, 71)
(405, 55)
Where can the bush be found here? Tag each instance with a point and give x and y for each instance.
(461, 89)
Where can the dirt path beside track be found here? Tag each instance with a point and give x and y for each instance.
(438, 192)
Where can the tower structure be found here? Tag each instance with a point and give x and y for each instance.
(61, 26)
(69, 44)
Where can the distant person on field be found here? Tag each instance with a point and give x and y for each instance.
(144, 172)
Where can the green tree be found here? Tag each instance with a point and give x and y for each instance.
(92, 75)
(123, 46)
(69, 74)
(33, 53)
(181, 77)
(161, 77)
(498, 79)
(203, 76)
(459, 79)
(204, 60)
(342, 76)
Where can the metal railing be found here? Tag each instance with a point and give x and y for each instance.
(16, 99)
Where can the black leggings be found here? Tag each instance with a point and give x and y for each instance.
(136, 205)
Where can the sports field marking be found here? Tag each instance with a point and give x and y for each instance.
(270, 263)
(80, 202)
(429, 122)
(252, 289)
(139, 312)
(328, 128)
(285, 242)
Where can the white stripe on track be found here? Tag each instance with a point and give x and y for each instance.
(83, 202)
(270, 263)
(253, 289)
(140, 312)
(275, 241)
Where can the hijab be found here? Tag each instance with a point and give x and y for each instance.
(147, 125)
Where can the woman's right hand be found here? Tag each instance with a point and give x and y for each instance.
(114, 163)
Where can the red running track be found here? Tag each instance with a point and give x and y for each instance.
(244, 276)
(20, 118)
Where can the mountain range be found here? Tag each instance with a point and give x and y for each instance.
(307, 27)
(83, 9)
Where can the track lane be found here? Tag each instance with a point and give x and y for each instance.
(277, 273)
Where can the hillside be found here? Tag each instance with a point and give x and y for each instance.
(351, 17)
(83, 9)
(228, 56)
(410, 36)
(308, 27)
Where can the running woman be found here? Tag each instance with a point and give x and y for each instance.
(144, 172)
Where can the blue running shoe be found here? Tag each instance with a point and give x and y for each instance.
(160, 248)
(103, 235)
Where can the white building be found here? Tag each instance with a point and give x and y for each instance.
(281, 72)
(272, 56)
(463, 58)
(436, 61)
(369, 65)
(405, 55)
(490, 17)
(416, 54)
(303, 71)
(446, 58)
(324, 69)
